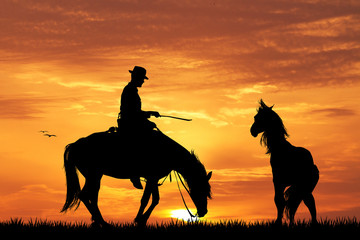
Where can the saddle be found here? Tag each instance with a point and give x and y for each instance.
(132, 134)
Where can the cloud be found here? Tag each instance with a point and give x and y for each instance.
(307, 43)
(197, 116)
(328, 27)
(95, 86)
(77, 107)
(235, 112)
(22, 107)
(244, 174)
(36, 200)
(335, 112)
(237, 94)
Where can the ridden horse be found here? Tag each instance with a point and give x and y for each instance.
(292, 166)
(152, 157)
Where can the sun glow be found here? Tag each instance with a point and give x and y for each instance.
(182, 214)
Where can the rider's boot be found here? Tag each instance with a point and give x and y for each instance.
(136, 182)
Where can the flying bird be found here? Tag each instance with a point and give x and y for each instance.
(43, 131)
(50, 135)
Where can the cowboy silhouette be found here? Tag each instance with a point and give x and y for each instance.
(132, 121)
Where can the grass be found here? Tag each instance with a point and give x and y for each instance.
(325, 227)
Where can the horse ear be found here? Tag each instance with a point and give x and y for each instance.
(262, 104)
(272, 106)
(209, 175)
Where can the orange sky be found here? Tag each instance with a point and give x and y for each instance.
(63, 66)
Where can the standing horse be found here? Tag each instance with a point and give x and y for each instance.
(292, 166)
(152, 157)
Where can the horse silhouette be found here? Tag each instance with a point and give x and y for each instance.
(292, 166)
(152, 157)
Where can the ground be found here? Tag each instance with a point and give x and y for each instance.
(326, 227)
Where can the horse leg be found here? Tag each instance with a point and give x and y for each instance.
(293, 206)
(310, 204)
(154, 201)
(89, 196)
(279, 202)
(144, 201)
(309, 199)
(150, 188)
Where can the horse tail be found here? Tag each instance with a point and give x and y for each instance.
(292, 201)
(72, 182)
(296, 193)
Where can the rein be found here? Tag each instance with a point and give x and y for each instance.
(178, 175)
(187, 190)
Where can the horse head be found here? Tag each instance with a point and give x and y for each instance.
(261, 119)
(200, 193)
(269, 123)
(199, 186)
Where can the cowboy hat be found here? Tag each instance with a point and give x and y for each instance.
(139, 71)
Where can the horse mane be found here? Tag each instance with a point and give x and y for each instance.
(192, 180)
(276, 128)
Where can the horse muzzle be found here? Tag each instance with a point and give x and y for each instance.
(202, 213)
(253, 131)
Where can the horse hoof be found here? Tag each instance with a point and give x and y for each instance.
(106, 225)
(102, 224)
(314, 223)
(278, 222)
(140, 222)
(95, 225)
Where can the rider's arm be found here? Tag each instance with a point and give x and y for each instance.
(148, 114)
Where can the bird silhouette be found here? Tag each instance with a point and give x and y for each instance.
(43, 131)
(50, 135)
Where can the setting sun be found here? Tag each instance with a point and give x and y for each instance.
(183, 214)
